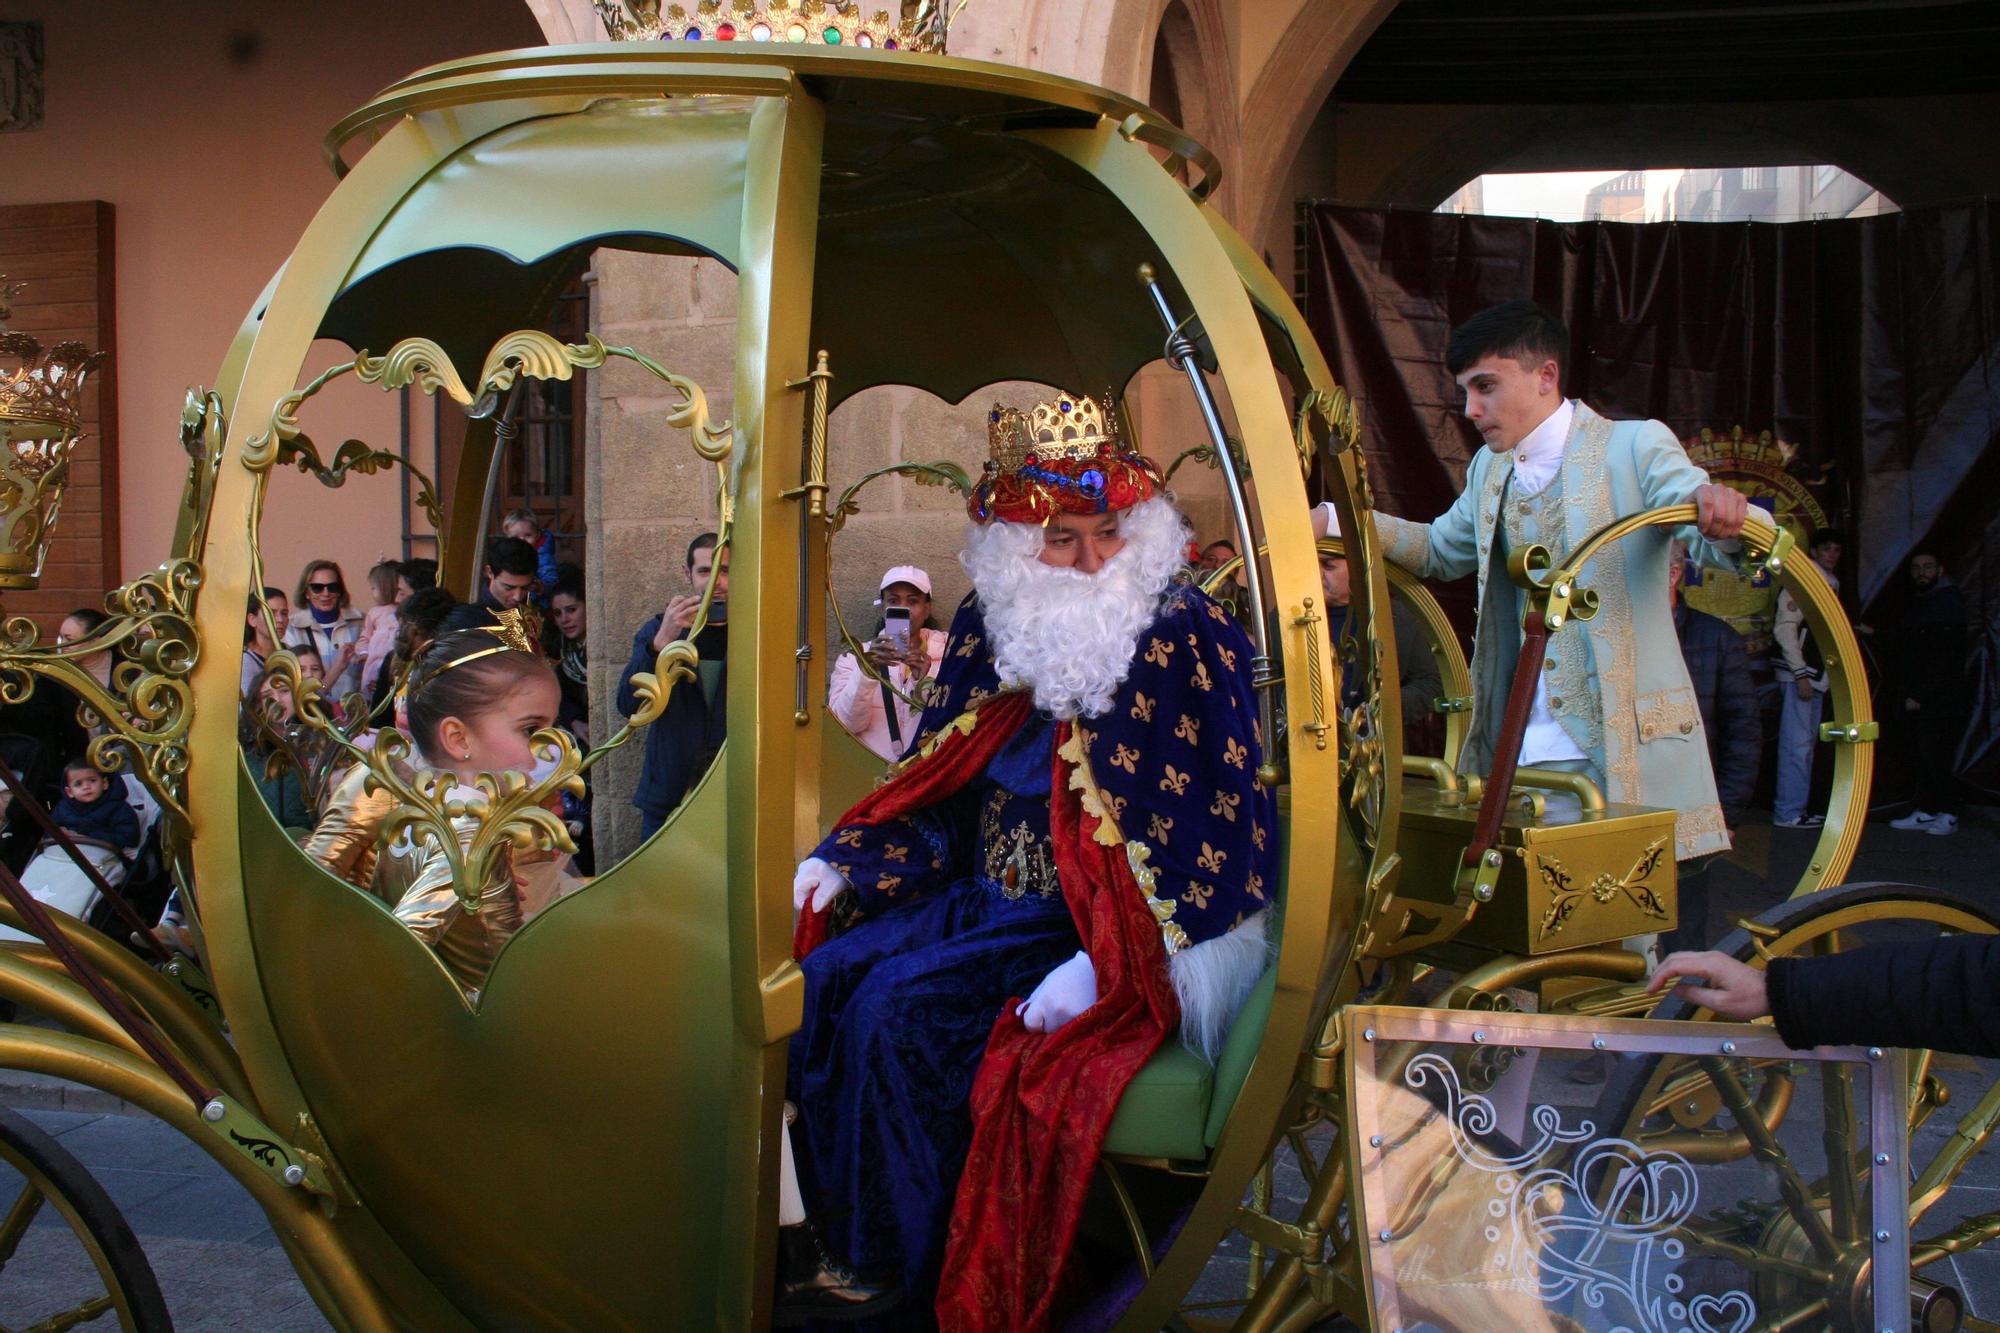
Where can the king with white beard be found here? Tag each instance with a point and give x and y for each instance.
(1071, 867)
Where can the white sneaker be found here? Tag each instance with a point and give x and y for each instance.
(1803, 821)
(1916, 821)
(1942, 825)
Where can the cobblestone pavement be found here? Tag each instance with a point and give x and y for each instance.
(221, 1268)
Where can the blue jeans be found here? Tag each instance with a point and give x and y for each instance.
(1798, 732)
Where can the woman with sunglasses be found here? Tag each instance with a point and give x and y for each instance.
(323, 620)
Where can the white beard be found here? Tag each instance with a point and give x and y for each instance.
(1067, 635)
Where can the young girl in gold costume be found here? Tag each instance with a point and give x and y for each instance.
(475, 700)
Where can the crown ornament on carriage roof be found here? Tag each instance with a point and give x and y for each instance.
(920, 25)
(1060, 456)
(41, 415)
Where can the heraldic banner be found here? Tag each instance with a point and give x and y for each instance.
(1844, 373)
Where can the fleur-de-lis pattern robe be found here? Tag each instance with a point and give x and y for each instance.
(898, 1009)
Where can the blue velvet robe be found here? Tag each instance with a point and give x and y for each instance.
(961, 914)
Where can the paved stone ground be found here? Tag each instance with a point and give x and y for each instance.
(221, 1268)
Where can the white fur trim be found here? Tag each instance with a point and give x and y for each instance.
(1213, 978)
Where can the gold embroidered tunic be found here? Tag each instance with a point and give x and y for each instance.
(1627, 699)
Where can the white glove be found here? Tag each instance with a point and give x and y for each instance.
(1064, 993)
(1326, 520)
(817, 881)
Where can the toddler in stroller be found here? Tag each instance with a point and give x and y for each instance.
(98, 814)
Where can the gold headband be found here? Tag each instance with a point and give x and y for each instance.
(515, 628)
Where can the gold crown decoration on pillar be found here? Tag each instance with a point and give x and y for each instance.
(41, 413)
(919, 26)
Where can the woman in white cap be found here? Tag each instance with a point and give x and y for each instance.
(906, 651)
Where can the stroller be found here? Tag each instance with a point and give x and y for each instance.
(56, 880)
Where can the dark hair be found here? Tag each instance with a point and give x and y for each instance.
(1223, 542)
(439, 690)
(81, 764)
(304, 650)
(421, 571)
(1821, 536)
(467, 615)
(1519, 330)
(89, 617)
(425, 610)
(510, 555)
(701, 543)
(569, 582)
(306, 578)
(1920, 552)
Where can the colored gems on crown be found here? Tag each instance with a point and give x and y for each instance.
(1062, 456)
(1066, 427)
(838, 23)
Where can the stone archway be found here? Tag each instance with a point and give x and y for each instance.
(1286, 98)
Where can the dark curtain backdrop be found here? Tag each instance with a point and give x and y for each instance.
(1872, 345)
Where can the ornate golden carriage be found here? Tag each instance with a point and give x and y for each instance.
(382, 1118)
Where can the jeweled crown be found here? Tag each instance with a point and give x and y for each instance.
(919, 26)
(1069, 426)
(1062, 456)
(41, 411)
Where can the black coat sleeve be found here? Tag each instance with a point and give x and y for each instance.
(1943, 994)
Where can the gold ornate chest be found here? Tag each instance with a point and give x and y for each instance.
(1568, 879)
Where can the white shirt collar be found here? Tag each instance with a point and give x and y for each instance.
(1538, 456)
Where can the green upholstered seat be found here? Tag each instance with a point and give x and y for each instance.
(1178, 1104)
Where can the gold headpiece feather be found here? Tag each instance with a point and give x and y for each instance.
(517, 629)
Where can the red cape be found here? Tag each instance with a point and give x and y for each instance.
(1041, 1103)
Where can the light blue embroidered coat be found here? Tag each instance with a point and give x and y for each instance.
(1617, 682)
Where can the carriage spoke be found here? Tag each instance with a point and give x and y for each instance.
(1969, 1234)
(1808, 1315)
(15, 1225)
(1837, 1090)
(1919, 1094)
(1957, 1153)
(82, 1314)
(1751, 1258)
(1765, 1147)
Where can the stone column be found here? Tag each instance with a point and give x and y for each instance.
(646, 494)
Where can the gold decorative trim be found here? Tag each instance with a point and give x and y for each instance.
(511, 810)
(147, 705)
(1137, 855)
(1700, 831)
(1566, 895)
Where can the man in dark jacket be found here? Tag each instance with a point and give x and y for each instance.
(685, 739)
(1928, 690)
(1942, 994)
(1421, 682)
(1719, 669)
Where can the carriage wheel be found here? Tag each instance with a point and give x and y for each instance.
(1670, 1104)
(73, 1275)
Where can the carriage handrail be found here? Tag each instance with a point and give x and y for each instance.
(1180, 351)
(1454, 676)
(1553, 588)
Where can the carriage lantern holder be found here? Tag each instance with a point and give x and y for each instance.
(41, 393)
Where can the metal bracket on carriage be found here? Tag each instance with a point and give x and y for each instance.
(187, 974)
(1553, 598)
(288, 1165)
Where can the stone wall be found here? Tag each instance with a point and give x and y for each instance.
(646, 494)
